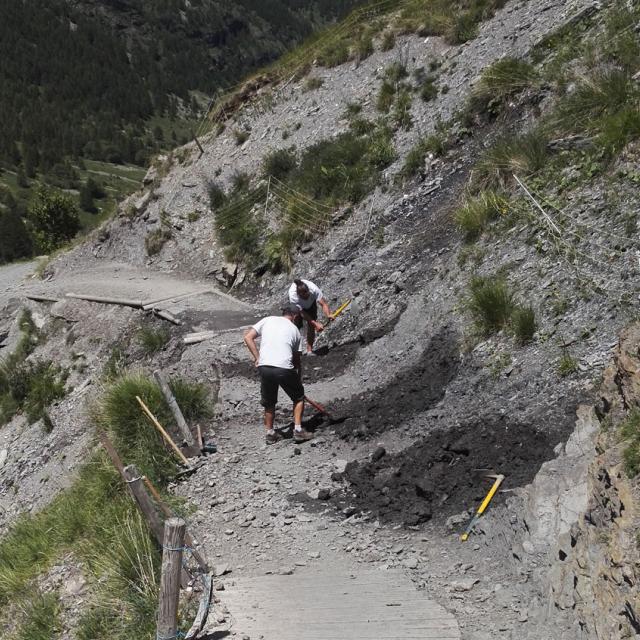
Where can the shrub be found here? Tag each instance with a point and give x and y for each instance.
(414, 162)
(352, 109)
(490, 303)
(193, 216)
(388, 41)
(279, 163)
(524, 324)
(523, 154)
(156, 239)
(386, 95)
(334, 54)
(365, 46)
(395, 72)
(312, 83)
(240, 182)
(567, 365)
(630, 431)
(217, 196)
(428, 90)
(402, 110)
(501, 80)
(54, 219)
(474, 215)
(153, 340)
(241, 136)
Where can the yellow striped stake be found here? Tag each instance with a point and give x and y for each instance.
(483, 506)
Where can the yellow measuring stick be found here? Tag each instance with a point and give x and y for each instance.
(483, 506)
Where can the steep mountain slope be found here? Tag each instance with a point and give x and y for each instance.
(477, 202)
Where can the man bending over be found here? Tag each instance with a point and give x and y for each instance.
(306, 296)
(278, 362)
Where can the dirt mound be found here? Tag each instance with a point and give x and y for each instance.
(325, 364)
(443, 473)
(412, 391)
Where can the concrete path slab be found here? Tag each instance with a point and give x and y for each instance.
(363, 605)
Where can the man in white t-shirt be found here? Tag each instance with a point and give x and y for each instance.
(307, 296)
(279, 364)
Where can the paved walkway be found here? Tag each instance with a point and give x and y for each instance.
(363, 605)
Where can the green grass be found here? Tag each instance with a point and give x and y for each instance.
(630, 433)
(523, 322)
(153, 340)
(401, 115)
(490, 303)
(567, 365)
(312, 83)
(500, 81)
(217, 196)
(519, 154)
(29, 386)
(415, 160)
(241, 136)
(477, 211)
(156, 239)
(279, 163)
(40, 618)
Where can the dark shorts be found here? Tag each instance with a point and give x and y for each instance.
(312, 311)
(272, 378)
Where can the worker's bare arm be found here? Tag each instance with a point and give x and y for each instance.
(250, 336)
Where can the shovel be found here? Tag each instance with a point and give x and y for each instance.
(316, 405)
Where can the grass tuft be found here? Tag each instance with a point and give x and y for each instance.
(490, 303)
(567, 365)
(523, 321)
(153, 340)
(523, 155)
(279, 163)
(156, 239)
(474, 215)
(41, 618)
(630, 431)
(312, 83)
(414, 163)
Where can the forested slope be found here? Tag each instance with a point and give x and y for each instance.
(117, 80)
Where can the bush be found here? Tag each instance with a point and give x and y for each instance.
(156, 239)
(388, 41)
(153, 340)
(54, 219)
(414, 162)
(334, 54)
(240, 182)
(241, 136)
(428, 90)
(490, 303)
(523, 154)
(630, 431)
(365, 46)
(279, 163)
(567, 365)
(402, 110)
(312, 83)
(474, 215)
(29, 386)
(386, 95)
(217, 196)
(524, 324)
(501, 80)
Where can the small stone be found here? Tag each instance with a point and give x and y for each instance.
(378, 454)
(464, 585)
(324, 494)
(297, 451)
(221, 569)
(411, 563)
(349, 511)
(286, 571)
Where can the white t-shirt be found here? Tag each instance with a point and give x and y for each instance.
(280, 338)
(314, 294)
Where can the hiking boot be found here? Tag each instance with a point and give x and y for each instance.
(302, 436)
(272, 438)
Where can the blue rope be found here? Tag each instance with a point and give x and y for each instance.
(187, 549)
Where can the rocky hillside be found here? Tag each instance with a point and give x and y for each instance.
(474, 193)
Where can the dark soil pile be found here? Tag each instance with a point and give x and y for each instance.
(411, 392)
(442, 474)
(327, 363)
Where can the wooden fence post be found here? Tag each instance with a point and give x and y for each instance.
(175, 408)
(174, 530)
(136, 484)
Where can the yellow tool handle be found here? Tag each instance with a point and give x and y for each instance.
(490, 495)
(340, 309)
(163, 433)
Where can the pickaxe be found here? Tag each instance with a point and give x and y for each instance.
(485, 503)
(338, 311)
